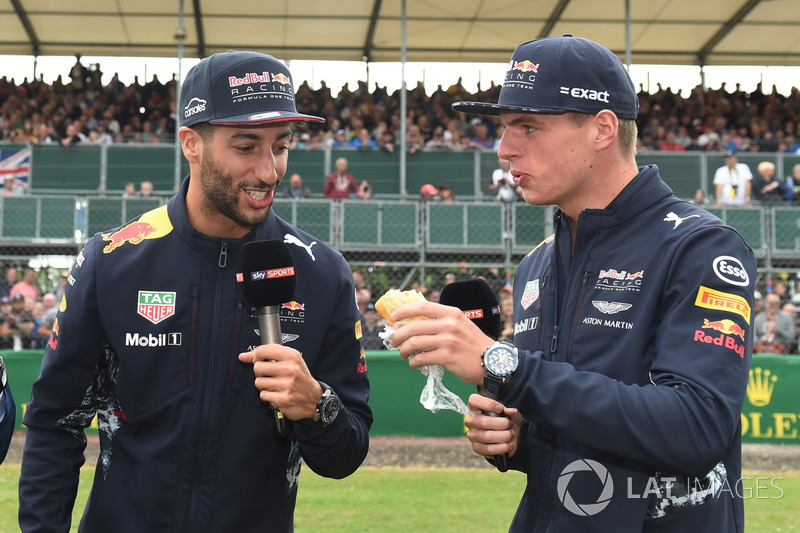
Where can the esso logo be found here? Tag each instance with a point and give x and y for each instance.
(730, 270)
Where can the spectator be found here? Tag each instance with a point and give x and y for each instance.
(503, 183)
(17, 325)
(12, 187)
(772, 326)
(296, 189)
(371, 328)
(365, 191)
(130, 190)
(428, 192)
(699, 197)
(340, 184)
(793, 186)
(732, 182)
(8, 281)
(446, 194)
(73, 135)
(146, 189)
(767, 189)
(363, 141)
(26, 286)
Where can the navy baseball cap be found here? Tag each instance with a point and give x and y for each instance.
(239, 88)
(557, 75)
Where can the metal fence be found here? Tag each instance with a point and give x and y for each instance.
(393, 242)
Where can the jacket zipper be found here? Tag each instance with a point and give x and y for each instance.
(585, 280)
(208, 393)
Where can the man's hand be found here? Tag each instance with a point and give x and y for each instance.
(490, 435)
(283, 379)
(448, 339)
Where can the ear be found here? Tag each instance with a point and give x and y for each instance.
(191, 144)
(607, 128)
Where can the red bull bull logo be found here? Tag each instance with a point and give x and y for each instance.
(133, 233)
(726, 326)
(281, 78)
(294, 306)
(525, 66)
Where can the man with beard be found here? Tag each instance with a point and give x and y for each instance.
(153, 338)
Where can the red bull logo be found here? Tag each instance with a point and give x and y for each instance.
(728, 331)
(525, 66)
(636, 275)
(294, 306)
(726, 326)
(133, 233)
(281, 78)
(250, 77)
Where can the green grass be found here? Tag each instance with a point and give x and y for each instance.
(440, 500)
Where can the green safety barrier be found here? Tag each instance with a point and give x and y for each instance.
(771, 412)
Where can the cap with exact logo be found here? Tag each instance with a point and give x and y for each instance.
(239, 88)
(556, 75)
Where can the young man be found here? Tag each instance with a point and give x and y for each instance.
(632, 336)
(153, 337)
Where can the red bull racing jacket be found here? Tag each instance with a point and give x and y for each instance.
(634, 359)
(147, 338)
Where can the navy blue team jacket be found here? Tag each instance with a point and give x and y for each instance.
(147, 337)
(634, 359)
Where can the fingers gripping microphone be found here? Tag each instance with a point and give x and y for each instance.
(266, 278)
(479, 303)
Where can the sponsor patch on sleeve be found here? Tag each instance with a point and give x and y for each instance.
(722, 301)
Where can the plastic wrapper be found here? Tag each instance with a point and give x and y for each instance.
(435, 395)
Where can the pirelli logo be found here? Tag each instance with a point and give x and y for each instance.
(723, 301)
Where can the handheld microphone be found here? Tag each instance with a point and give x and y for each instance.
(266, 277)
(479, 303)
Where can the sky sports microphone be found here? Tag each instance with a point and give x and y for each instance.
(266, 278)
(479, 303)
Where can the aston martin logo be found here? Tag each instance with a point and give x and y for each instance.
(610, 308)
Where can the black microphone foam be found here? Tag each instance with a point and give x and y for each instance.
(265, 273)
(478, 302)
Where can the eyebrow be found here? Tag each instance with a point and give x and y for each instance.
(528, 118)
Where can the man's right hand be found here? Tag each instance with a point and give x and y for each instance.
(490, 435)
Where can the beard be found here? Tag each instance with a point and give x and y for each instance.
(222, 197)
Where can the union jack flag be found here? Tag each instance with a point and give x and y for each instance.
(16, 164)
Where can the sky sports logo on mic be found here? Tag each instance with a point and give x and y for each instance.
(261, 275)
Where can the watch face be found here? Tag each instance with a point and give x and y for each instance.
(329, 410)
(501, 361)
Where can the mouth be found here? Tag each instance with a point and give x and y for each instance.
(259, 198)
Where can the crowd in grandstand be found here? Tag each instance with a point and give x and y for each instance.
(84, 110)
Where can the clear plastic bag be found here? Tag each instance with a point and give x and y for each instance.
(435, 395)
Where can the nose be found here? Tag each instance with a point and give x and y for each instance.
(266, 169)
(506, 149)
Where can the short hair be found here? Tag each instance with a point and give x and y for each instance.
(627, 134)
(764, 165)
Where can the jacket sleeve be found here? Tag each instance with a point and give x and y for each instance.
(686, 418)
(62, 406)
(338, 450)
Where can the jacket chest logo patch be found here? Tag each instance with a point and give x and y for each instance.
(530, 294)
(156, 306)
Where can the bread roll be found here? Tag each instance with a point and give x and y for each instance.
(393, 299)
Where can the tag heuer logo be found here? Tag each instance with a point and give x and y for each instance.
(530, 294)
(156, 306)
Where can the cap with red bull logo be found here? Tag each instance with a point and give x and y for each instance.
(239, 88)
(557, 75)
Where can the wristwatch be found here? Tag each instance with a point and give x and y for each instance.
(327, 406)
(500, 361)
